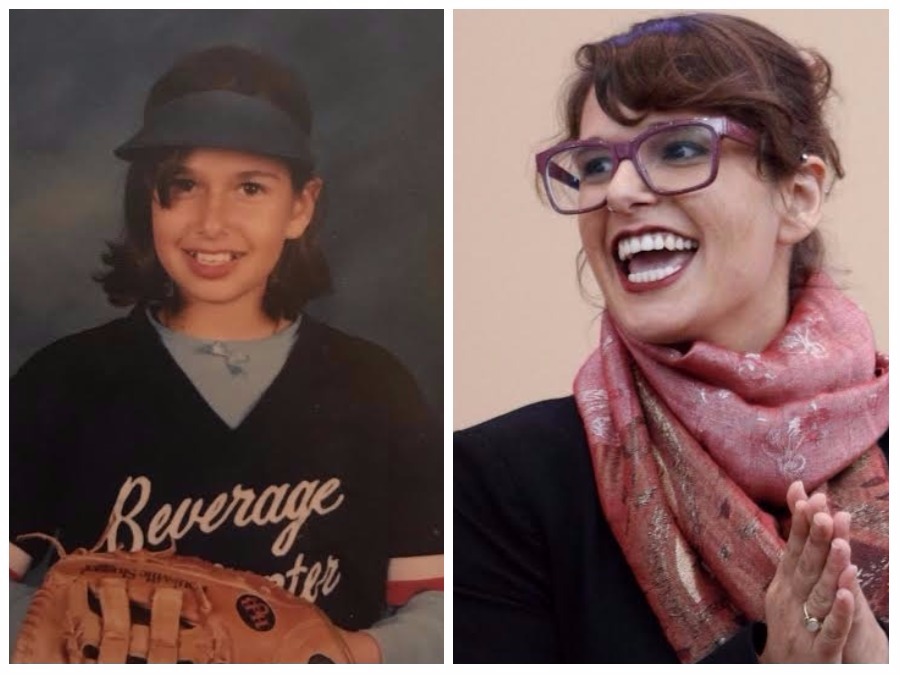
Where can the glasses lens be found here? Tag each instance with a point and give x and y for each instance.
(678, 159)
(577, 178)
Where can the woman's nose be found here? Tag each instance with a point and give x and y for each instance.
(627, 188)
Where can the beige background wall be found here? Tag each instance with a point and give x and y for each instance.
(521, 328)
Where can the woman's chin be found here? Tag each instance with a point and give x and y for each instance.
(653, 331)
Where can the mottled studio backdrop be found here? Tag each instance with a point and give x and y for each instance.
(77, 85)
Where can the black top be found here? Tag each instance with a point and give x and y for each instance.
(538, 575)
(335, 471)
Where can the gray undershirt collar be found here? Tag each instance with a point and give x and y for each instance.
(231, 375)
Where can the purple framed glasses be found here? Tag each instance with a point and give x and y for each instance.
(671, 158)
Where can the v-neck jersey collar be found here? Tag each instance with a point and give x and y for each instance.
(174, 389)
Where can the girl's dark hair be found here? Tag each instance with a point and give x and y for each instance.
(719, 64)
(134, 273)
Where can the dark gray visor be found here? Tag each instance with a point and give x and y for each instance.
(220, 119)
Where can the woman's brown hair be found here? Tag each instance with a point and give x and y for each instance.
(134, 274)
(720, 64)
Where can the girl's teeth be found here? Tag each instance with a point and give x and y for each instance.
(212, 258)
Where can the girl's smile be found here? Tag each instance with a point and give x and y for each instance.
(212, 264)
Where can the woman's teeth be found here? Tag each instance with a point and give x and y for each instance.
(629, 246)
(653, 275)
(650, 257)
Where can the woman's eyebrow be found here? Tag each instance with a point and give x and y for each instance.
(636, 130)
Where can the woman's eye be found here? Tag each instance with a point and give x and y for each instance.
(683, 151)
(595, 168)
(250, 188)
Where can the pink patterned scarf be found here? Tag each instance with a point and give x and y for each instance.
(693, 454)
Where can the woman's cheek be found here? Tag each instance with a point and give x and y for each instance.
(588, 227)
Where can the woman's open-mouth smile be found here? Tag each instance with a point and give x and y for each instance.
(652, 258)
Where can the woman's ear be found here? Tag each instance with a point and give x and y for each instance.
(803, 194)
(304, 208)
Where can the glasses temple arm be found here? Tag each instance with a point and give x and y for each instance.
(739, 132)
(556, 172)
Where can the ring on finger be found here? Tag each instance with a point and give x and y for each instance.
(813, 625)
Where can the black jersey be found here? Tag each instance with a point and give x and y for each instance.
(336, 470)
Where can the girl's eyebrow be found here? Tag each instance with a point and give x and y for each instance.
(258, 173)
(184, 169)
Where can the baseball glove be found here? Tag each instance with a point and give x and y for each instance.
(147, 607)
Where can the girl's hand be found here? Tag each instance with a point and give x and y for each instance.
(807, 583)
(362, 646)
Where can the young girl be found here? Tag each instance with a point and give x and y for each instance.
(215, 415)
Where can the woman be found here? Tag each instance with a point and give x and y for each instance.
(698, 488)
(216, 416)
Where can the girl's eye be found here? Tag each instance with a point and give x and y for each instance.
(182, 185)
(250, 188)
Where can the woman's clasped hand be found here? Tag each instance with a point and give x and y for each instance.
(815, 608)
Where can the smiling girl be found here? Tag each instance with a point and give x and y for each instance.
(216, 416)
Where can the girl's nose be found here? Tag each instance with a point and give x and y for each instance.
(211, 220)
